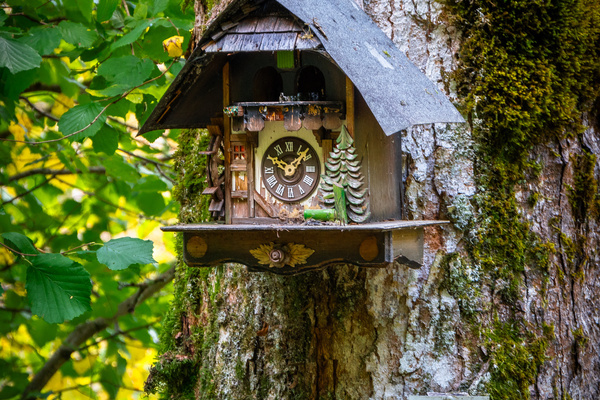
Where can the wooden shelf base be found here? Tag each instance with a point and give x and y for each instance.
(292, 249)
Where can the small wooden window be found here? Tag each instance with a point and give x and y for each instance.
(239, 152)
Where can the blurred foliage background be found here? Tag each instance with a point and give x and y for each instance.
(80, 306)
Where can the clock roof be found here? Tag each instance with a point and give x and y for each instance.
(398, 94)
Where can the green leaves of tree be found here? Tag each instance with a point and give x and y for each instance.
(124, 73)
(78, 118)
(120, 253)
(17, 56)
(58, 288)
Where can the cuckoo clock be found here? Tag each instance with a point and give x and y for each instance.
(307, 99)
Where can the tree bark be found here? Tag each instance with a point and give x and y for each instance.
(352, 333)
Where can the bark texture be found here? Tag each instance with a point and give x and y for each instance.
(350, 333)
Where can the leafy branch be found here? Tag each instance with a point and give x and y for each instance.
(117, 99)
(54, 172)
(89, 329)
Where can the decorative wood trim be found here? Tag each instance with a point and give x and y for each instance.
(227, 146)
(326, 147)
(264, 205)
(350, 106)
(250, 177)
(252, 244)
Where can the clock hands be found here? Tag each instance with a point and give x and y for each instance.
(297, 161)
(289, 169)
(276, 161)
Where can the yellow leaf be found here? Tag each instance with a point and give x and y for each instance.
(81, 366)
(262, 253)
(172, 46)
(298, 254)
(62, 105)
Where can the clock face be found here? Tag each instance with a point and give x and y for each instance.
(290, 169)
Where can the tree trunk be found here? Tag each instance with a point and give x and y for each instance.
(455, 325)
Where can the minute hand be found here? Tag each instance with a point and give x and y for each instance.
(294, 164)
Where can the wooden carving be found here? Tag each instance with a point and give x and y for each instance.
(343, 169)
(276, 256)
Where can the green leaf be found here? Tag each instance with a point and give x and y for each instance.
(150, 184)
(120, 253)
(132, 36)
(77, 34)
(44, 40)
(151, 203)
(41, 332)
(129, 70)
(21, 242)
(111, 381)
(14, 85)
(17, 56)
(105, 9)
(86, 7)
(78, 118)
(58, 288)
(1, 290)
(106, 141)
(3, 17)
(117, 168)
(141, 11)
(159, 6)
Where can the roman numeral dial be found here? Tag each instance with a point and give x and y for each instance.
(290, 169)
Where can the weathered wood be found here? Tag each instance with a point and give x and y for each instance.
(350, 106)
(253, 119)
(247, 25)
(250, 168)
(327, 147)
(239, 194)
(312, 122)
(258, 221)
(332, 121)
(260, 200)
(266, 24)
(286, 25)
(237, 124)
(306, 42)
(210, 190)
(291, 118)
(227, 145)
(216, 205)
(329, 246)
(239, 208)
(369, 226)
(408, 246)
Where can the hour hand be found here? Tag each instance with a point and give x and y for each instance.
(279, 163)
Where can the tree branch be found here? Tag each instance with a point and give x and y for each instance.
(114, 335)
(39, 111)
(97, 116)
(88, 329)
(29, 191)
(49, 171)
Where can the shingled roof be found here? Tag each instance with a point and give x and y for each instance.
(398, 94)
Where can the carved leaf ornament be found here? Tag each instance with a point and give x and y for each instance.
(291, 254)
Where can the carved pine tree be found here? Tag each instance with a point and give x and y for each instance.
(344, 169)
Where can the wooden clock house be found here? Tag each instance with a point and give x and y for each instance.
(304, 101)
